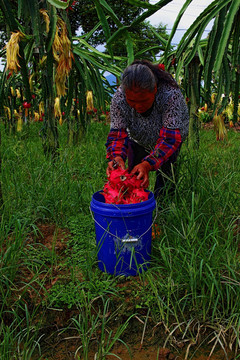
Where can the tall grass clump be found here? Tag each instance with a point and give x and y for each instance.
(93, 326)
(196, 256)
(36, 188)
(18, 328)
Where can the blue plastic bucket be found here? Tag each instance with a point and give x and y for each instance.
(123, 235)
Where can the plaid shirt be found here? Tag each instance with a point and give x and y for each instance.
(168, 142)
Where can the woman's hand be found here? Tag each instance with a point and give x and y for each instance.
(117, 161)
(142, 170)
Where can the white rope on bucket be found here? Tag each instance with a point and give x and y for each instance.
(114, 235)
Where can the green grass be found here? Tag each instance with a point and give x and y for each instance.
(191, 287)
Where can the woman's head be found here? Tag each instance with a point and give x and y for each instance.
(140, 76)
(140, 99)
(140, 81)
(140, 86)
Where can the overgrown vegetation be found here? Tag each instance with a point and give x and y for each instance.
(52, 291)
(51, 287)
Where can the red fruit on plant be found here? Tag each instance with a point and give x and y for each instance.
(26, 105)
(40, 119)
(71, 6)
(63, 113)
(161, 66)
(33, 96)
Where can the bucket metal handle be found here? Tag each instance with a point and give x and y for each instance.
(124, 240)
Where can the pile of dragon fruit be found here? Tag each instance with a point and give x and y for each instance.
(123, 188)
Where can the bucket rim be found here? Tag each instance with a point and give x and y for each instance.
(122, 210)
(124, 206)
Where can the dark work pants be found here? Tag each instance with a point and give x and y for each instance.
(163, 186)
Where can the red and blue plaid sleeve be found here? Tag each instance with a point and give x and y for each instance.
(168, 142)
(117, 144)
